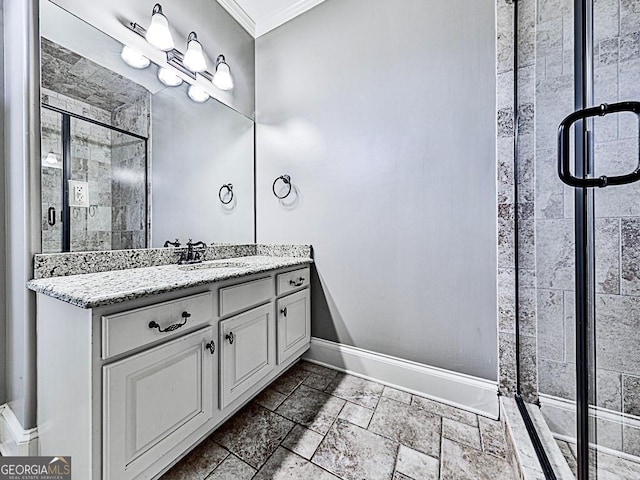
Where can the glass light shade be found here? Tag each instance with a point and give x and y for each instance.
(169, 78)
(51, 159)
(197, 94)
(222, 78)
(158, 33)
(194, 58)
(134, 58)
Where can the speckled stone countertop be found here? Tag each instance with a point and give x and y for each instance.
(106, 288)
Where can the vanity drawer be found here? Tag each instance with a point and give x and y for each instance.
(245, 295)
(125, 331)
(287, 282)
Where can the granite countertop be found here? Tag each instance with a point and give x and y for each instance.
(106, 288)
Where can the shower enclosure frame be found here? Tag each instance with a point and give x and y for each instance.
(584, 243)
(66, 169)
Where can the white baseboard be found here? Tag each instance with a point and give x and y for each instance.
(464, 391)
(15, 441)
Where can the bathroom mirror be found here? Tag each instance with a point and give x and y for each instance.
(128, 162)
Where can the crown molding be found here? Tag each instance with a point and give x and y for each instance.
(277, 19)
(240, 15)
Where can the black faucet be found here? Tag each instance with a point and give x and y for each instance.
(192, 255)
(175, 244)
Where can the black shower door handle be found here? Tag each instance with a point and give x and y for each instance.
(564, 146)
(51, 216)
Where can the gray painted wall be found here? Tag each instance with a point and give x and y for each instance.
(3, 267)
(197, 148)
(217, 31)
(22, 197)
(385, 119)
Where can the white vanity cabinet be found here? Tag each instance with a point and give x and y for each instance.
(294, 324)
(155, 399)
(127, 389)
(246, 352)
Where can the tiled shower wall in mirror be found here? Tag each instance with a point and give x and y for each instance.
(113, 164)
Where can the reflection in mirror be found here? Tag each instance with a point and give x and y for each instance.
(127, 161)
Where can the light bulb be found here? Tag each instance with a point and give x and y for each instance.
(158, 33)
(134, 58)
(194, 58)
(197, 94)
(168, 77)
(222, 78)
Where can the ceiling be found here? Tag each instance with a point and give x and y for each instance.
(261, 16)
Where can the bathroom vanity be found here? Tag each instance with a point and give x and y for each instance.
(137, 366)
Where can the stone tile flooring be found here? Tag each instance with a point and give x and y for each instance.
(316, 423)
(604, 466)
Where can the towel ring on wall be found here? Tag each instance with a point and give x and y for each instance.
(287, 181)
(229, 188)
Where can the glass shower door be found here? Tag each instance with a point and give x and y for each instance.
(110, 164)
(615, 366)
(608, 72)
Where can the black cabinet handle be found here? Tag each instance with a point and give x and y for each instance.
(171, 328)
(51, 216)
(284, 311)
(231, 337)
(297, 283)
(211, 346)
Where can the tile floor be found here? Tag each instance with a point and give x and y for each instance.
(604, 466)
(316, 423)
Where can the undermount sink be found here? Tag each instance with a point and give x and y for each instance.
(212, 264)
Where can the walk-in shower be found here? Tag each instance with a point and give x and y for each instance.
(95, 135)
(585, 241)
(112, 163)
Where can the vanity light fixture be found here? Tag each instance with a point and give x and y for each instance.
(158, 33)
(194, 58)
(134, 58)
(197, 94)
(190, 65)
(168, 78)
(222, 78)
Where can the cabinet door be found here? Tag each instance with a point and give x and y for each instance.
(154, 400)
(247, 355)
(294, 324)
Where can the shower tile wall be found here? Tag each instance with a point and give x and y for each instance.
(91, 159)
(506, 201)
(113, 164)
(616, 77)
(128, 163)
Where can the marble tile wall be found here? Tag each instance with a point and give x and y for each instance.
(616, 78)
(129, 168)
(525, 203)
(90, 162)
